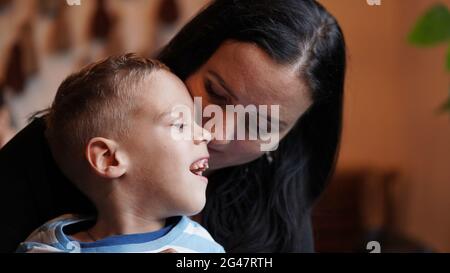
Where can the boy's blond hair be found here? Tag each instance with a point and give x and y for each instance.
(96, 101)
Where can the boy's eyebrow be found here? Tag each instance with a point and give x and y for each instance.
(168, 113)
(163, 115)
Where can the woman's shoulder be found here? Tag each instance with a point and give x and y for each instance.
(33, 189)
(27, 138)
(50, 237)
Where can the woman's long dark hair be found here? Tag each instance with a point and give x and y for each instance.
(262, 206)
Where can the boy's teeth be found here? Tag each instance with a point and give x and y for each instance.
(199, 167)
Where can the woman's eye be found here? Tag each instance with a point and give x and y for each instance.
(214, 96)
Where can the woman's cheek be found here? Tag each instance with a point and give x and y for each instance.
(194, 86)
(247, 150)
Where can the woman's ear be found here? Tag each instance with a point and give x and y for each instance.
(105, 158)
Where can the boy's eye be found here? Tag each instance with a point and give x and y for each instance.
(179, 126)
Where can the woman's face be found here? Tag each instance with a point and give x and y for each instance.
(242, 74)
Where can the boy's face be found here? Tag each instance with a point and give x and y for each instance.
(160, 165)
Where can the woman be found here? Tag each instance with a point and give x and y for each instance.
(285, 52)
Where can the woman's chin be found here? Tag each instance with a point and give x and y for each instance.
(220, 161)
(215, 165)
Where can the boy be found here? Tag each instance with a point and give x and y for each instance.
(110, 128)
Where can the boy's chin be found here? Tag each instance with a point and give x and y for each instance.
(195, 208)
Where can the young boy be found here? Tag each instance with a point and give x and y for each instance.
(111, 129)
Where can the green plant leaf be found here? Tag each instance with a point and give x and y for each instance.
(432, 28)
(446, 106)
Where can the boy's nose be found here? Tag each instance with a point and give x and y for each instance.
(201, 135)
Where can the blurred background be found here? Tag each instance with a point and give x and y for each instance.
(392, 183)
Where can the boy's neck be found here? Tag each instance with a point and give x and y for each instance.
(119, 224)
(111, 222)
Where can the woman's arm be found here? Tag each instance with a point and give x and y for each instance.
(32, 188)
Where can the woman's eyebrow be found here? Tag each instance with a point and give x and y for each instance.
(223, 84)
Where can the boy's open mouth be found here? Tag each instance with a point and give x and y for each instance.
(199, 166)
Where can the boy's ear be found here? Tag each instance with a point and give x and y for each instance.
(105, 158)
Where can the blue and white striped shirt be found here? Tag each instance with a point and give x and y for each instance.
(186, 236)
